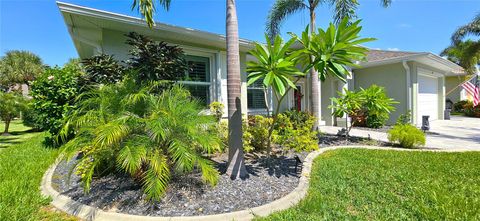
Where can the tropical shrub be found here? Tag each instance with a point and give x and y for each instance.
(460, 106)
(258, 127)
(216, 108)
(346, 105)
(11, 104)
(470, 110)
(54, 93)
(408, 136)
(153, 61)
(294, 131)
(376, 105)
(221, 128)
(102, 69)
(404, 118)
(30, 117)
(148, 136)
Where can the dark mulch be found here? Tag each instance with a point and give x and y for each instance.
(187, 195)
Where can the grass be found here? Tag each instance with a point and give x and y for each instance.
(355, 184)
(19, 134)
(22, 166)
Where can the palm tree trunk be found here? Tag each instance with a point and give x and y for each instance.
(236, 163)
(314, 79)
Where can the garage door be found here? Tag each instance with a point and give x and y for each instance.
(427, 97)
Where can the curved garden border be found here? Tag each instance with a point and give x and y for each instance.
(66, 204)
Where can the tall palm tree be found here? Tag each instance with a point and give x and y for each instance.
(472, 28)
(236, 165)
(19, 67)
(283, 8)
(464, 53)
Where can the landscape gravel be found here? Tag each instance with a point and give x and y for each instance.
(187, 195)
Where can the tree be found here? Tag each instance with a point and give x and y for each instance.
(236, 165)
(472, 28)
(284, 8)
(276, 67)
(464, 53)
(11, 104)
(19, 67)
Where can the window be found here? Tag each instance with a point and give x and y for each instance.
(197, 78)
(255, 95)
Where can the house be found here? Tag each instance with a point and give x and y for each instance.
(417, 80)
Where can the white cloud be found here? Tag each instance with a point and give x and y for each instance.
(393, 49)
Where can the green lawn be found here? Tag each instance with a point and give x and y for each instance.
(22, 166)
(19, 134)
(356, 184)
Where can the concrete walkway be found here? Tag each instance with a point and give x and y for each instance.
(459, 133)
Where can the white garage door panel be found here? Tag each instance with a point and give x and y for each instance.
(427, 97)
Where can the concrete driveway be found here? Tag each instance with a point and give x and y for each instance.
(459, 133)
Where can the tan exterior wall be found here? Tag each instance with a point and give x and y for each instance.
(392, 77)
(451, 84)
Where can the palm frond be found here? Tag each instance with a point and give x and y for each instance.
(157, 176)
(344, 9)
(147, 9)
(472, 28)
(131, 157)
(281, 9)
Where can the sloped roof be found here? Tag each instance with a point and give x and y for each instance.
(381, 55)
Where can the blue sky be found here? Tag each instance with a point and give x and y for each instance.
(411, 25)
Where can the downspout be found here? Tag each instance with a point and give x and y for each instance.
(408, 84)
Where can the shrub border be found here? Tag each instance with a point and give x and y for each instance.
(66, 204)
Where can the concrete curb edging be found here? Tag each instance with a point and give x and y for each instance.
(66, 204)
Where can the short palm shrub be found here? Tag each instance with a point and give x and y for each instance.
(148, 136)
(408, 136)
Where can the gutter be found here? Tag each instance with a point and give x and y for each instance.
(408, 84)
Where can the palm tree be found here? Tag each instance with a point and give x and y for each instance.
(472, 28)
(236, 165)
(19, 67)
(284, 8)
(464, 53)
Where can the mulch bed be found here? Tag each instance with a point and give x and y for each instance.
(187, 195)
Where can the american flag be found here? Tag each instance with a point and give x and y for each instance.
(472, 87)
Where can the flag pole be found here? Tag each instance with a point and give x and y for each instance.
(476, 74)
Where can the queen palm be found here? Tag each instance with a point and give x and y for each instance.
(472, 28)
(236, 168)
(284, 8)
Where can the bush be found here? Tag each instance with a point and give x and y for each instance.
(470, 110)
(102, 69)
(216, 108)
(154, 61)
(30, 117)
(294, 131)
(150, 137)
(404, 118)
(258, 127)
(460, 106)
(54, 94)
(376, 105)
(408, 136)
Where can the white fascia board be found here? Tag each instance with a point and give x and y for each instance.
(85, 11)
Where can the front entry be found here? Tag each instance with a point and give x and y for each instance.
(297, 98)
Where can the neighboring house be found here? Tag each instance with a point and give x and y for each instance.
(95, 32)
